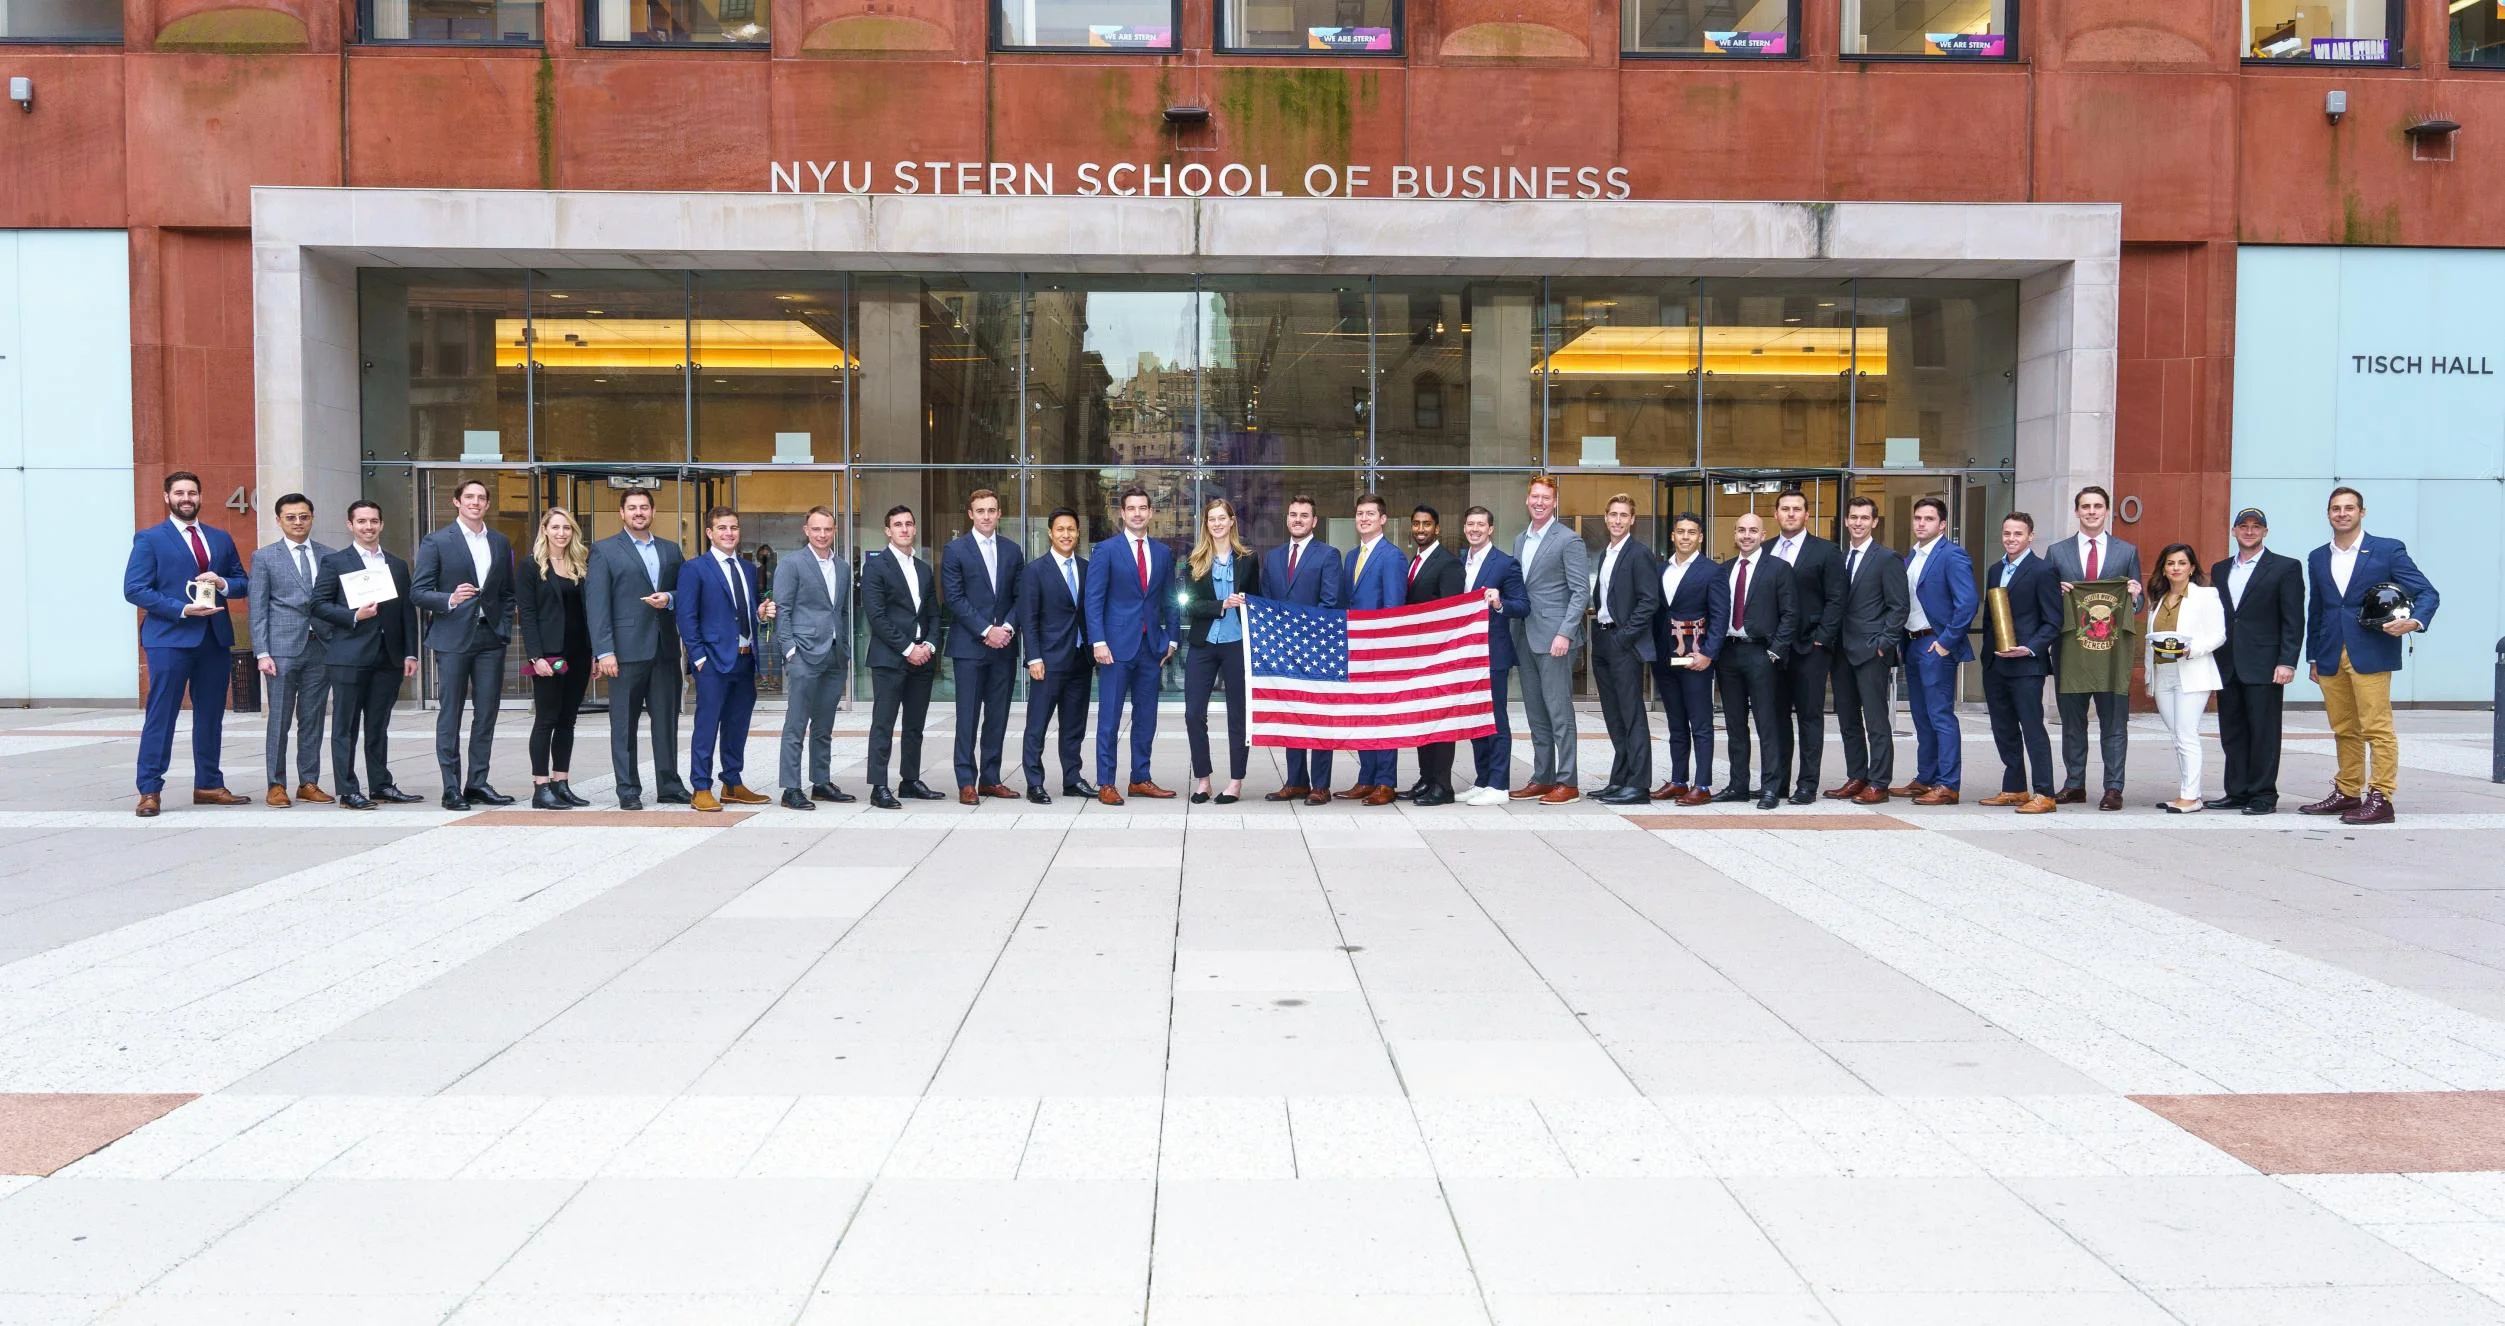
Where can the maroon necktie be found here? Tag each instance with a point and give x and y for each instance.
(1739, 598)
(2093, 561)
(199, 550)
(1291, 564)
(1141, 548)
(1413, 571)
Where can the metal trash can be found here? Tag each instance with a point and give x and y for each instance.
(243, 690)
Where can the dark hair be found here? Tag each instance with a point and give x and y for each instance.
(2097, 489)
(1478, 511)
(900, 509)
(2188, 555)
(978, 495)
(289, 500)
(362, 504)
(1794, 491)
(1060, 511)
(1936, 504)
(632, 493)
(714, 515)
(2335, 496)
(1687, 518)
(1129, 491)
(1376, 499)
(178, 476)
(1305, 499)
(464, 486)
(1860, 501)
(2022, 518)
(1429, 512)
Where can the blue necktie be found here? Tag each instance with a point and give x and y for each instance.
(1070, 577)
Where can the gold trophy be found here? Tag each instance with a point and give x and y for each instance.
(2004, 626)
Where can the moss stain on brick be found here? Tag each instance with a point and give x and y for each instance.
(1292, 117)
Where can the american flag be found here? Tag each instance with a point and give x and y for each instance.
(1368, 679)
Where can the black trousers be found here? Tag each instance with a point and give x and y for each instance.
(1062, 696)
(1801, 693)
(1209, 666)
(2248, 727)
(2016, 704)
(478, 678)
(983, 686)
(648, 687)
(1862, 708)
(1618, 678)
(894, 691)
(555, 703)
(362, 698)
(1747, 681)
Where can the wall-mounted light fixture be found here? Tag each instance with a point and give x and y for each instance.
(1187, 116)
(22, 91)
(2334, 105)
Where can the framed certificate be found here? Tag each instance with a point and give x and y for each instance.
(363, 588)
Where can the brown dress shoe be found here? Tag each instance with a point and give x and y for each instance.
(1000, 792)
(1851, 788)
(2037, 805)
(148, 806)
(1560, 795)
(741, 793)
(2372, 808)
(1108, 796)
(2070, 796)
(278, 797)
(308, 792)
(1381, 796)
(1938, 796)
(704, 800)
(1531, 791)
(1697, 796)
(1290, 794)
(1356, 792)
(1669, 791)
(1150, 790)
(2338, 803)
(1318, 797)
(2004, 799)
(2112, 800)
(1871, 796)
(967, 796)
(1910, 791)
(217, 796)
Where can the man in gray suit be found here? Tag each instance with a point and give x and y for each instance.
(634, 643)
(2094, 555)
(1557, 579)
(465, 579)
(813, 600)
(290, 656)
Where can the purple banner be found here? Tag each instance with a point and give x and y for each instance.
(1348, 39)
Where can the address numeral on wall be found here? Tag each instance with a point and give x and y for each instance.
(240, 502)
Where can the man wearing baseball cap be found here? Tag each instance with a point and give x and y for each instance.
(2354, 662)
(2265, 600)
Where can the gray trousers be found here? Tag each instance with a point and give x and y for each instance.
(1548, 702)
(2112, 728)
(299, 695)
(477, 678)
(810, 693)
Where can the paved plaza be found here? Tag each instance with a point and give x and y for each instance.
(1196, 1065)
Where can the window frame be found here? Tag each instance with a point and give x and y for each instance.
(1218, 46)
(591, 24)
(2017, 33)
(120, 37)
(998, 29)
(365, 36)
(2451, 62)
(1792, 39)
(2395, 23)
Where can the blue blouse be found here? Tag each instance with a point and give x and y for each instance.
(1229, 627)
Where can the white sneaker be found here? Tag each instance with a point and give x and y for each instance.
(1487, 796)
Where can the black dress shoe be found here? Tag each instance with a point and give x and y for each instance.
(565, 793)
(397, 797)
(482, 794)
(1228, 798)
(795, 799)
(2261, 807)
(1807, 796)
(1200, 798)
(544, 797)
(1612, 790)
(884, 799)
(1769, 801)
(1433, 796)
(919, 790)
(2226, 803)
(1078, 787)
(354, 801)
(675, 796)
(1625, 796)
(1735, 792)
(830, 792)
(1039, 796)
(630, 802)
(456, 801)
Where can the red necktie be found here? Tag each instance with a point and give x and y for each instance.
(1413, 571)
(1739, 598)
(2092, 561)
(1139, 549)
(199, 550)
(1292, 550)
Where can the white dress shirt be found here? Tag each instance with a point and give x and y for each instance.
(1853, 553)
(373, 557)
(991, 560)
(1915, 621)
(1787, 547)
(2104, 555)
(1672, 572)
(2344, 561)
(1470, 567)
(482, 556)
(1736, 628)
(738, 585)
(1531, 541)
(2240, 575)
(913, 583)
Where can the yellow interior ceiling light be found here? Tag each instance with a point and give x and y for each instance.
(630, 343)
(1659, 352)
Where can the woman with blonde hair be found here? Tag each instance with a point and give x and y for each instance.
(1218, 576)
(2187, 622)
(556, 652)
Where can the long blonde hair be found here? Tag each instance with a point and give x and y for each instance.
(576, 562)
(1205, 553)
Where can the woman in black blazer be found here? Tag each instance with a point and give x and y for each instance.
(1217, 577)
(556, 652)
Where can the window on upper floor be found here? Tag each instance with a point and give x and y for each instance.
(1084, 25)
(60, 20)
(2332, 32)
(1932, 29)
(2477, 34)
(1746, 29)
(1315, 27)
(450, 22)
(674, 22)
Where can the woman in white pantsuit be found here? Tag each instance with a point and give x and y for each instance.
(2187, 623)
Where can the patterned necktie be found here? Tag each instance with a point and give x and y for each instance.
(304, 564)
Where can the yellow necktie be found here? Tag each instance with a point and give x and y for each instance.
(1362, 554)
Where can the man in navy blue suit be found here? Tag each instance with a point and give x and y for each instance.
(189, 638)
(1939, 610)
(978, 585)
(1490, 570)
(718, 617)
(2353, 663)
(1052, 630)
(1303, 570)
(1131, 619)
(1378, 577)
(2013, 679)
